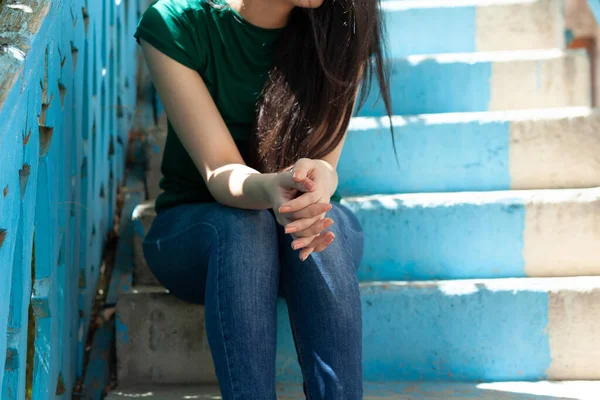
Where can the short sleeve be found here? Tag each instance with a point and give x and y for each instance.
(167, 25)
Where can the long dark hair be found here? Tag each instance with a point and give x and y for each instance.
(321, 59)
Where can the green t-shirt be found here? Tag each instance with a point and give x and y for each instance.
(233, 57)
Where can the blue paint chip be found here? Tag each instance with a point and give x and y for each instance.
(122, 331)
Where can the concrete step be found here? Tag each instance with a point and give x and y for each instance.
(466, 235)
(534, 233)
(458, 26)
(586, 390)
(524, 149)
(495, 81)
(470, 330)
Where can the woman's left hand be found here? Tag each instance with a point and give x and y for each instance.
(307, 232)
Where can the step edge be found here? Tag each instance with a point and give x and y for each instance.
(454, 286)
(405, 5)
(494, 56)
(539, 114)
(532, 196)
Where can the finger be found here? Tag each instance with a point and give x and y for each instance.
(305, 185)
(301, 243)
(314, 210)
(298, 203)
(321, 242)
(316, 228)
(300, 173)
(305, 253)
(297, 225)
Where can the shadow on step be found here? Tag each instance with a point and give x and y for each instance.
(396, 391)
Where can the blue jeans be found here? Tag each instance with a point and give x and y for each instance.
(237, 262)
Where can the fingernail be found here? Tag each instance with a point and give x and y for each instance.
(327, 207)
(296, 245)
(285, 209)
(291, 229)
(328, 223)
(295, 176)
(303, 258)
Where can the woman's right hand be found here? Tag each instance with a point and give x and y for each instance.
(307, 223)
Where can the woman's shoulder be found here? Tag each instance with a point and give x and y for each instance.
(179, 29)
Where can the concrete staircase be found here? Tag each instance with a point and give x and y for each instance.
(482, 259)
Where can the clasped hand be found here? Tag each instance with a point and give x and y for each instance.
(301, 199)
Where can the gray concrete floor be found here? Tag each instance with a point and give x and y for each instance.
(399, 391)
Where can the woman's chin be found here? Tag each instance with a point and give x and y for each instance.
(307, 3)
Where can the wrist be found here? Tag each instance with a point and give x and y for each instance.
(267, 184)
(329, 172)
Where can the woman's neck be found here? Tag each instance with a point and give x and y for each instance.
(269, 14)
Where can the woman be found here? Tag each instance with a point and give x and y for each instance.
(259, 95)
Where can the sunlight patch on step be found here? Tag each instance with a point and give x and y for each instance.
(546, 114)
(401, 5)
(494, 56)
(564, 390)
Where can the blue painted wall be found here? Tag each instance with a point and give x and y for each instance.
(67, 95)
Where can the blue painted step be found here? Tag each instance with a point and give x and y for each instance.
(458, 26)
(481, 330)
(486, 82)
(530, 149)
(470, 330)
(479, 234)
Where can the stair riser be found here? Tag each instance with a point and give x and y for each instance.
(473, 152)
(427, 85)
(449, 331)
(453, 27)
(161, 339)
(480, 235)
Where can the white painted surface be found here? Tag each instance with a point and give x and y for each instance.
(543, 82)
(561, 226)
(574, 334)
(537, 24)
(554, 149)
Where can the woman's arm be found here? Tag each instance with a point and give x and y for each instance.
(203, 133)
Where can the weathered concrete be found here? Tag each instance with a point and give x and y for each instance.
(161, 339)
(523, 149)
(468, 26)
(395, 391)
(446, 330)
(491, 81)
(155, 138)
